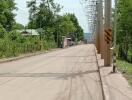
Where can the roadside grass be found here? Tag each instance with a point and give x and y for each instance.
(126, 69)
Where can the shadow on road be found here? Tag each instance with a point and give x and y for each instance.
(54, 75)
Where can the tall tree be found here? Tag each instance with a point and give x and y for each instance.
(79, 34)
(43, 15)
(124, 34)
(6, 14)
(63, 27)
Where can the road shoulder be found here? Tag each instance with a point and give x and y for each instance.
(4, 60)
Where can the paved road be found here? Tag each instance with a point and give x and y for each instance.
(68, 74)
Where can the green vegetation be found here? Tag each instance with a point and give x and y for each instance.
(124, 38)
(124, 35)
(44, 17)
(126, 69)
(6, 14)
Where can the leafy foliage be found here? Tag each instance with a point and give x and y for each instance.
(18, 26)
(6, 14)
(124, 35)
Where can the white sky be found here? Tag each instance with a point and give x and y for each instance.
(69, 6)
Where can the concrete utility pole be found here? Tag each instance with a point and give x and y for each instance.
(101, 38)
(107, 29)
(97, 36)
(115, 23)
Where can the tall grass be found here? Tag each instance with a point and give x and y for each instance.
(14, 44)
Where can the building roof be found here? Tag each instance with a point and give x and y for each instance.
(29, 32)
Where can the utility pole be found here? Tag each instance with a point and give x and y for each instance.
(107, 29)
(97, 28)
(115, 23)
(58, 35)
(57, 41)
(101, 36)
(115, 31)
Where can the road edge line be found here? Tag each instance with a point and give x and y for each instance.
(25, 56)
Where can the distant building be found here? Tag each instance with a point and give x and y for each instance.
(29, 32)
(88, 37)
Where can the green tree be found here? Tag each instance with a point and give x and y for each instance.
(124, 34)
(18, 26)
(6, 14)
(79, 34)
(42, 16)
(63, 27)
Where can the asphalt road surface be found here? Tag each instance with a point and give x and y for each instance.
(68, 74)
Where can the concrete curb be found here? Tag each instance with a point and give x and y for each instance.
(105, 87)
(100, 76)
(25, 56)
(103, 83)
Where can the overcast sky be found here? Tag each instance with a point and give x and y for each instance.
(71, 6)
